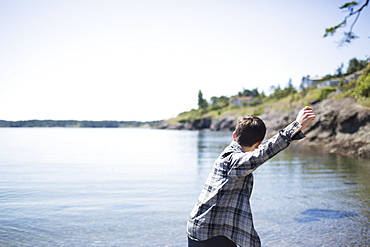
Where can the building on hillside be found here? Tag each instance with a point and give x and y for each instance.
(353, 76)
(334, 82)
(309, 82)
(241, 101)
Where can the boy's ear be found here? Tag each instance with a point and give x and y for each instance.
(234, 135)
(258, 144)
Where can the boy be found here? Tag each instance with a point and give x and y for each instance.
(222, 216)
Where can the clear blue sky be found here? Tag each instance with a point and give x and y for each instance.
(147, 59)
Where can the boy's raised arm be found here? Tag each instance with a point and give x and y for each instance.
(304, 117)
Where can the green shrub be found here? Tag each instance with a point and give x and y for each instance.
(324, 92)
(258, 111)
(363, 85)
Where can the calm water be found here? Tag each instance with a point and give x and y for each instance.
(136, 187)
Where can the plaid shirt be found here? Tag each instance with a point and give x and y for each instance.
(223, 207)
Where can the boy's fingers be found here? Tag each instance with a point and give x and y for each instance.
(308, 109)
(311, 116)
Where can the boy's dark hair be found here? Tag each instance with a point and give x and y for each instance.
(249, 130)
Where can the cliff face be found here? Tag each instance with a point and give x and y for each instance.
(341, 126)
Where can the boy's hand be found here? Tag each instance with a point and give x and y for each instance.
(305, 116)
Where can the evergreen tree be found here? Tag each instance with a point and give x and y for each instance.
(202, 103)
(355, 65)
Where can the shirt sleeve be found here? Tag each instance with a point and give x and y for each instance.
(244, 163)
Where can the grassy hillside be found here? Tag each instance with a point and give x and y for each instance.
(358, 89)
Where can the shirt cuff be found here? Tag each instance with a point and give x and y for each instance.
(292, 132)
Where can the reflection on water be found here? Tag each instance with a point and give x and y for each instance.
(315, 214)
(136, 187)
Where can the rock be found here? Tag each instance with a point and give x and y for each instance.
(341, 125)
(225, 123)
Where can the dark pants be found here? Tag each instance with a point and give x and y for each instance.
(219, 241)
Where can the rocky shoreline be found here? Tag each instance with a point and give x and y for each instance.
(342, 126)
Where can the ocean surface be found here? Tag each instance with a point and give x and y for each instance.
(136, 187)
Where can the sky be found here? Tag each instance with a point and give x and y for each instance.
(146, 60)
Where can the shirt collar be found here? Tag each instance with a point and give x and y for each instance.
(236, 147)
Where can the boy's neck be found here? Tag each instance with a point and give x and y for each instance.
(252, 148)
(248, 149)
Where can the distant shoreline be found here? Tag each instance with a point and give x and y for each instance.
(76, 124)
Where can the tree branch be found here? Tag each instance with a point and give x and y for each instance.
(348, 36)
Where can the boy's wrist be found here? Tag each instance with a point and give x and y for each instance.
(293, 131)
(298, 127)
(297, 134)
